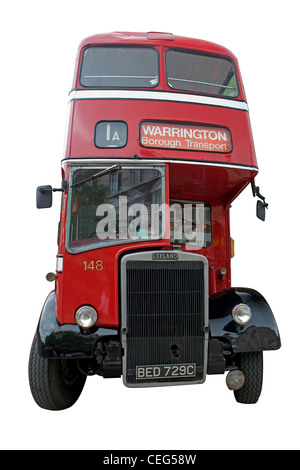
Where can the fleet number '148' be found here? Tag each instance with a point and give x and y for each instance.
(98, 265)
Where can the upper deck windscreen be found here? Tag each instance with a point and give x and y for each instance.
(201, 73)
(113, 66)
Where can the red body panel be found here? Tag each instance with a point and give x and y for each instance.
(193, 175)
(86, 113)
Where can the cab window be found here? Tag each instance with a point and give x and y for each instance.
(190, 223)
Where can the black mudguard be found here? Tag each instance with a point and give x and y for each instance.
(66, 341)
(260, 334)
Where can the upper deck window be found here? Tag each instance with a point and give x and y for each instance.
(114, 66)
(201, 73)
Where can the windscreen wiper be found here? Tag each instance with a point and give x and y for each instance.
(97, 175)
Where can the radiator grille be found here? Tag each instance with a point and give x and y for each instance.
(164, 307)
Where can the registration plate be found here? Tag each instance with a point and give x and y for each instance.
(165, 371)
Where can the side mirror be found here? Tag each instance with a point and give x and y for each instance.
(261, 205)
(44, 197)
(261, 210)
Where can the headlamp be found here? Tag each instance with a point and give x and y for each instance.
(242, 314)
(86, 316)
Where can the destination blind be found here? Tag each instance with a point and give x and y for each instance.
(185, 137)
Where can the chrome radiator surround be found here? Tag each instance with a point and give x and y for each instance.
(164, 318)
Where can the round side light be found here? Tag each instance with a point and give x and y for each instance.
(86, 316)
(235, 380)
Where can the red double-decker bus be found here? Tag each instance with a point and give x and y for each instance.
(159, 144)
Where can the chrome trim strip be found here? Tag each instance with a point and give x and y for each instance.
(88, 94)
(140, 161)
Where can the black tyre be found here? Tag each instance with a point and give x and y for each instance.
(251, 364)
(55, 384)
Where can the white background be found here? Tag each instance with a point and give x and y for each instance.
(38, 46)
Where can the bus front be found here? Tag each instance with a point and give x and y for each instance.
(159, 145)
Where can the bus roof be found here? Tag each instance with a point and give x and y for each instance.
(156, 38)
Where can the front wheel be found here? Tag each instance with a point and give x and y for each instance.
(251, 364)
(55, 384)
